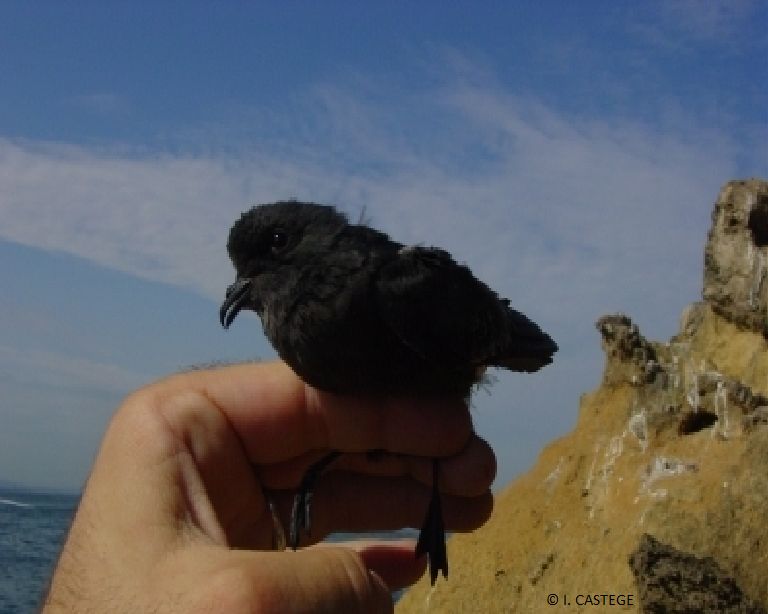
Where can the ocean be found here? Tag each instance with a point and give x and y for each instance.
(32, 528)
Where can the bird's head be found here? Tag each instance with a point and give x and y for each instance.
(269, 243)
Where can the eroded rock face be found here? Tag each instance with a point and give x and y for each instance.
(669, 580)
(631, 358)
(736, 255)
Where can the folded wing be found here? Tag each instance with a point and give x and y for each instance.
(440, 311)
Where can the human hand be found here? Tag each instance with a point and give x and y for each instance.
(174, 516)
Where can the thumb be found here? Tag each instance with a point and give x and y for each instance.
(336, 579)
(321, 579)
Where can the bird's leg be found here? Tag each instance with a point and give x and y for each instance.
(302, 501)
(432, 537)
(278, 531)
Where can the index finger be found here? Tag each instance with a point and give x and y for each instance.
(277, 416)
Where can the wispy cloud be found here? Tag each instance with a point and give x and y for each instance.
(707, 20)
(54, 408)
(568, 217)
(679, 24)
(106, 104)
(46, 369)
(532, 198)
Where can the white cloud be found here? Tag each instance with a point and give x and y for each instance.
(676, 25)
(554, 207)
(102, 103)
(54, 409)
(707, 19)
(45, 369)
(570, 219)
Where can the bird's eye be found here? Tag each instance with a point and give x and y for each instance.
(279, 240)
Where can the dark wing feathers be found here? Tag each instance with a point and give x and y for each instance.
(443, 313)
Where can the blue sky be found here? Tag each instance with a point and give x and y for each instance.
(568, 152)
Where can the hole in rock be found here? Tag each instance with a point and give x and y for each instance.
(694, 421)
(758, 221)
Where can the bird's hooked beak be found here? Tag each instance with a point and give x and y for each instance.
(237, 297)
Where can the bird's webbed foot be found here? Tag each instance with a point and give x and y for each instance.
(432, 536)
(301, 521)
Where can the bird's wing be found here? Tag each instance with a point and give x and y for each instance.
(437, 307)
(443, 313)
